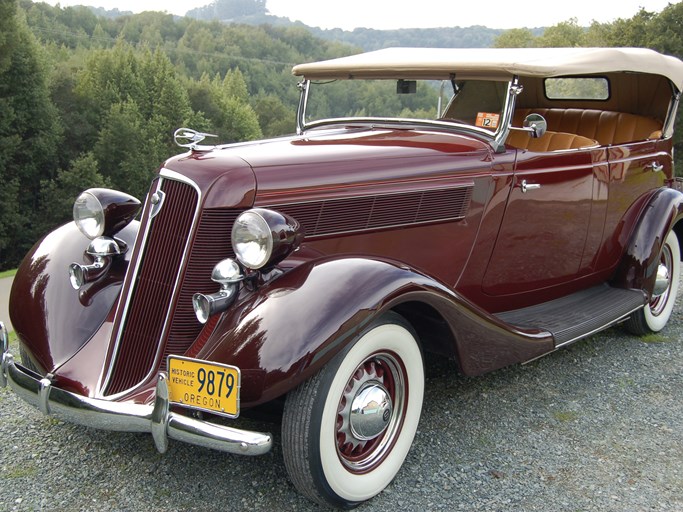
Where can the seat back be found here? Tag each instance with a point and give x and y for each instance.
(550, 141)
(606, 127)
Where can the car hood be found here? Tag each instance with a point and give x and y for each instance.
(324, 159)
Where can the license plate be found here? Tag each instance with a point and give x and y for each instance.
(204, 385)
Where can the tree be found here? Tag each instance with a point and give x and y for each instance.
(29, 134)
(229, 9)
(564, 34)
(274, 117)
(516, 38)
(135, 102)
(665, 30)
(57, 195)
(224, 104)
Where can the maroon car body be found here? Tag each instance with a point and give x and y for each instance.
(485, 249)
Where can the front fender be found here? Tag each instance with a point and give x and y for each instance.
(52, 319)
(638, 266)
(287, 330)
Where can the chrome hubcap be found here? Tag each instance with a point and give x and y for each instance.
(370, 412)
(660, 293)
(662, 281)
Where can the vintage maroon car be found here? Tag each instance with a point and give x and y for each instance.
(490, 206)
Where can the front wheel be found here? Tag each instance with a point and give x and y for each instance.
(654, 316)
(347, 430)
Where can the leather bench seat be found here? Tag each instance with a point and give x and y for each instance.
(551, 141)
(606, 127)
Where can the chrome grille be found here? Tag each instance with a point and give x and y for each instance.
(160, 319)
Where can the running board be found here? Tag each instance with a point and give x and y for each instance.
(578, 315)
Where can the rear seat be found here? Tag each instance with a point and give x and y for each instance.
(551, 141)
(603, 126)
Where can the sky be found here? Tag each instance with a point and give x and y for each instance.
(393, 14)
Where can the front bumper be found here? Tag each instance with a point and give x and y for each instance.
(156, 419)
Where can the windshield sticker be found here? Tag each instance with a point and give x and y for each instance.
(488, 120)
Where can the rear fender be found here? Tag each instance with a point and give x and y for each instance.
(284, 332)
(638, 267)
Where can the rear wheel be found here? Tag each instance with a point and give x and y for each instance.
(347, 430)
(655, 315)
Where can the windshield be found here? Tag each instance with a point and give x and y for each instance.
(478, 104)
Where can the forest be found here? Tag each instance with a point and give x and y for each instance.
(89, 100)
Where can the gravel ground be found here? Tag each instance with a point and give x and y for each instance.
(595, 427)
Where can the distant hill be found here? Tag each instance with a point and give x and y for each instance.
(452, 37)
(254, 12)
(111, 14)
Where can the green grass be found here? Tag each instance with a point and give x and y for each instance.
(27, 471)
(13, 344)
(8, 273)
(566, 416)
(654, 338)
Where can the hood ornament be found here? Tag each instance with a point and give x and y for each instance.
(188, 138)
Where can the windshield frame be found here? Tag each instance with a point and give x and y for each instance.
(495, 138)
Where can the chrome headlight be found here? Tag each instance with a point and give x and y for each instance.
(262, 238)
(104, 212)
(89, 215)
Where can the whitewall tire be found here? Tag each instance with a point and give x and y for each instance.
(655, 315)
(347, 430)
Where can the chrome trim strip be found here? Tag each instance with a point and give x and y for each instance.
(387, 228)
(171, 175)
(156, 419)
(594, 331)
(401, 123)
(431, 186)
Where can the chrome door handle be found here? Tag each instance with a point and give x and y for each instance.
(656, 166)
(529, 186)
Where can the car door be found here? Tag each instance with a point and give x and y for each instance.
(552, 227)
(635, 170)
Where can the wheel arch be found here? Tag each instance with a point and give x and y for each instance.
(678, 229)
(284, 332)
(434, 333)
(662, 213)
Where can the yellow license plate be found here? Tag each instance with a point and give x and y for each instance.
(203, 385)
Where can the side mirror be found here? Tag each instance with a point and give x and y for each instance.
(536, 125)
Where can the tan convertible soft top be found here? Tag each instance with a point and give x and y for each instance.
(498, 63)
